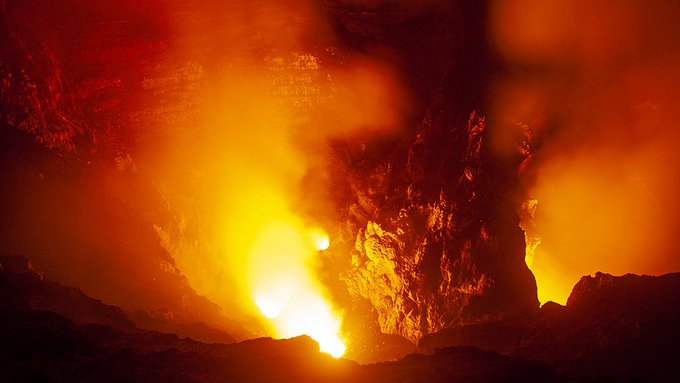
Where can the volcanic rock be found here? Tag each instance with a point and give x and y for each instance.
(98, 343)
(44, 346)
(622, 327)
(23, 288)
(430, 237)
(437, 243)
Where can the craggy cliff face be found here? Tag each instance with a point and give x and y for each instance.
(436, 236)
(112, 164)
(437, 252)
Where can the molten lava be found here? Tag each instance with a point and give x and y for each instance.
(320, 239)
(286, 290)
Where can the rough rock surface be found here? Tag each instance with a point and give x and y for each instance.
(429, 260)
(613, 329)
(23, 288)
(43, 346)
(436, 238)
(429, 214)
(80, 88)
(624, 327)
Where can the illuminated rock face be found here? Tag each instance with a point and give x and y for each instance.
(446, 249)
(433, 236)
(437, 241)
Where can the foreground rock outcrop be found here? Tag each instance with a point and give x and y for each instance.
(53, 333)
(625, 328)
(435, 237)
(43, 346)
(618, 329)
(22, 288)
(621, 328)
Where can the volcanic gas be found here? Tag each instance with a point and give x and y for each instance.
(378, 177)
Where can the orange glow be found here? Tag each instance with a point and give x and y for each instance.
(244, 232)
(219, 122)
(285, 289)
(256, 253)
(605, 98)
(320, 239)
(528, 225)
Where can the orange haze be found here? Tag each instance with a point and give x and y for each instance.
(203, 159)
(600, 82)
(244, 234)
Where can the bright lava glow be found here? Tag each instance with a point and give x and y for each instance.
(285, 288)
(270, 308)
(320, 239)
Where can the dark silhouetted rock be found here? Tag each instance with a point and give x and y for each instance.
(100, 345)
(499, 336)
(461, 364)
(21, 287)
(43, 346)
(626, 328)
(613, 328)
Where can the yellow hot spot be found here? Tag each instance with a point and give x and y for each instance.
(552, 284)
(270, 307)
(308, 313)
(319, 239)
(285, 289)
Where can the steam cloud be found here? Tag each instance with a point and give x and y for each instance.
(599, 82)
(256, 165)
(202, 162)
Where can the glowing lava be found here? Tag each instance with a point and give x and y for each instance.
(320, 239)
(550, 283)
(285, 289)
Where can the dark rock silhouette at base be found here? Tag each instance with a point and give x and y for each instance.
(625, 327)
(613, 329)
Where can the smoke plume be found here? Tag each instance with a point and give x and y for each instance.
(594, 85)
(248, 183)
